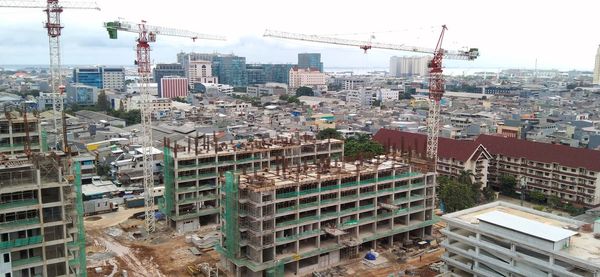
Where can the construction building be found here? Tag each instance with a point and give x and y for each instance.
(502, 239)
(192, 171)
(41, 229)
(294, 220)
(572, 174)
(14, 133)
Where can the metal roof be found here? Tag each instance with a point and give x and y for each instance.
(526, 226)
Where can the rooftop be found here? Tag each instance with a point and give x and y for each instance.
(582, 246)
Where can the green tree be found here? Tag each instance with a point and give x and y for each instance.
(329, 133)
(456, 196)
(488, 194)
(536, 196)
(362, 145)
(102, 103)
(508, 184)
(304, 91)
(464, 177)
(554, 201)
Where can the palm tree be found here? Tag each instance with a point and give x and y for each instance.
(465, 177)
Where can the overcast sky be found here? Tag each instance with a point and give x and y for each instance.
(561, 35)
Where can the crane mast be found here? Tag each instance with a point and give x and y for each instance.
(53, 10)
(436, 78)
(146, 35)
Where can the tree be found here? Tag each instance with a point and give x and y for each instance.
(180, 99)
(376, 103)
(464, 177)
(362, 145)
(456, 196)
(507, 185)
(488, 194)
(554, 201)
(329, 133)
(304, 91)
(536, 196)
(102, 103)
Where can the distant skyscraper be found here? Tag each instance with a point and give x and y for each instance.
(408, 66)
(310, 60)
(231, 70)
(173, 87)
(167, 69)
(200, 72)
(596, 80)
(100, 77)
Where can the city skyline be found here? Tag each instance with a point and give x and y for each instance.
(517, 43)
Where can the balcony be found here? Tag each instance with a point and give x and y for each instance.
(18, 203)
(20, 242)
(21, 262)
(20, 222)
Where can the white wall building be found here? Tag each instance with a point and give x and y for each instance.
(307, 77)
(502, 239)
(201, 72)
(113, 78)
(409, 66)
(596, 80)
(387, 95)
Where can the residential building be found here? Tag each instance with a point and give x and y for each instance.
(409, 66)
(191, 175)
(311, 77)
(167, 69)
(100, 77)
(81, 94)
(294, 222)
(231, 70)
(13, 133)
(363, 96)
(185, 60)
(596, 78)
(503, 239)
(310, 60)
(572, 174)
(387, 95)
(200, 72)
(173, 87)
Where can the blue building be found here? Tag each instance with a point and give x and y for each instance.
(310, 60)
(167, 69)
(230, 70)
(100, 77)
(268, 73)
(82, 95)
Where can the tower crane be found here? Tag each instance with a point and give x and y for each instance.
(146, 35)
(53, 9)
(436, 79)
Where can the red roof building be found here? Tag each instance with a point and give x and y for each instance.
(567, 172)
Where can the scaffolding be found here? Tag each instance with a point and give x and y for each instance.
(230, 215)
(166, 203)
(78, 263)
(44, 141)
(277, 270)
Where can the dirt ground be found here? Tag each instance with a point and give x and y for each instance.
(420, 266)
(114, 243)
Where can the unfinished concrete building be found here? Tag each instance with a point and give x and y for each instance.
(192, 169)
(294, 221)
(502, 239)
(14, 133)
(41, 230)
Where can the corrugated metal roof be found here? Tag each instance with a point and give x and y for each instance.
(526, 226)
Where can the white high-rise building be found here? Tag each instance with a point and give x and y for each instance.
(409, 66)
(596, 80)
(200, 71)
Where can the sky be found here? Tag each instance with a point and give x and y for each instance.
(509, 34)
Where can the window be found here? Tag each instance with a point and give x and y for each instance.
(7, 275)
(6, 258)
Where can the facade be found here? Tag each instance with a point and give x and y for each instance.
(185, 59)
(256, 74)
(231, 70)
(200, 72)
(167, 69)
(299, 77)
(572, 174)
(294, 222)
(387, 95)
(100, 77)
(409, 66)
(13, 134)
(596, 79)
(173, 87)
(81, 94)
(502, 239)
(277, 73)
(191, 180)
(363, 96)
(310, 60)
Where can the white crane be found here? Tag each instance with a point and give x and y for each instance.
(436, 79)
(146, 34)
(53, 9)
